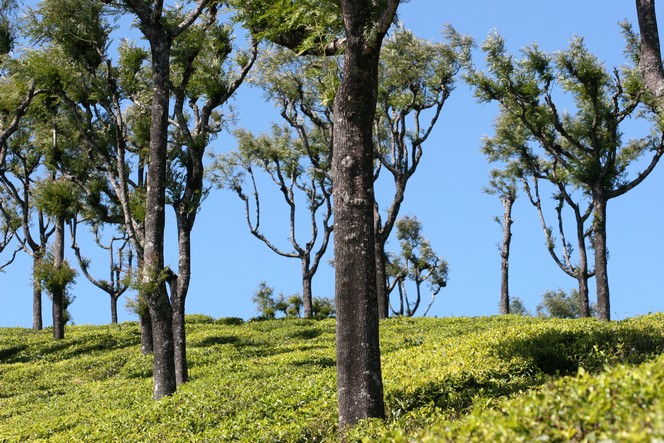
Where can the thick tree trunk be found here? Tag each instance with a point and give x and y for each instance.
(59, 292)
(154, 287)
(601, 256)
(37, 323)
(146, 332)
(381, 279)
(307, 294)
(505, 256)
(359, 377)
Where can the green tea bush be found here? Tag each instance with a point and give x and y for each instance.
(197, 319)
(507, 378)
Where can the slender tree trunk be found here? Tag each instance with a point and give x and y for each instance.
(583, 274)
(145, 323)
(178, 296)
(307, 294)
(381, 279)
(359, 377)
(154, 286)
(37, 323)
(601, 256)
(114, 310)
(59, 292)
(505, 255)
(584, 295)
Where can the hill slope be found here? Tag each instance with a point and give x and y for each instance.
(457, 379)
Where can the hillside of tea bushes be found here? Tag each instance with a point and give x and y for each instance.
(455, 379)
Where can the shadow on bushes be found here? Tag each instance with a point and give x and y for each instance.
(561, 353)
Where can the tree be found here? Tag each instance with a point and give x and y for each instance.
(120, 265)
(269, 305)
(359, 376)
(60, 200)
(504, 185)
(18, 177)
(295, 156)
(584, 148)
(416, 262)
(416, 77)
(559, 304)
(580, 271)
(203, 77)
(160, 26)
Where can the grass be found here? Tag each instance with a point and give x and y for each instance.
(456, 379)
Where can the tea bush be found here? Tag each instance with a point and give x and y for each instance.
(505, 378)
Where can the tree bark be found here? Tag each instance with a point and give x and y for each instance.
(359, 377)
(381, 280)
(37, 323)
(153, 261)
(505, 255)
(650, 63)
(114, 310)
(178, 296)
(307, 295)
(145, 322)
(59, 292)
(601, 256)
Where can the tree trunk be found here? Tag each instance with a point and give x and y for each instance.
(601, 256)
(359, 377)
(37, 323)
(178, 297)
(381, 279)
(505, 255)
(114, 310)
(146, 332)
(583, 274)
(58, 291)
(154, 287)
(307, 295)
(650, 63)
(584, 301)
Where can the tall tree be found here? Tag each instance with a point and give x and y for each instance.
(359, 376)
(288, 162)
(19, 177)
(204, 78)
(416, 77)
(505, 186)
(295, 156)
(580, 271)
(586, 146)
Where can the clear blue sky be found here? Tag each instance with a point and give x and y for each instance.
(445, 194)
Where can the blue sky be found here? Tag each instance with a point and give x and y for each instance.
(445, 194)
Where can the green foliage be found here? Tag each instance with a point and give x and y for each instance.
(269, 305)
(54, 278)
(506, 378)
(417, 262)
(198, 319)
(229, 321)
(517, 307)
(58, 198)
(559, 304)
